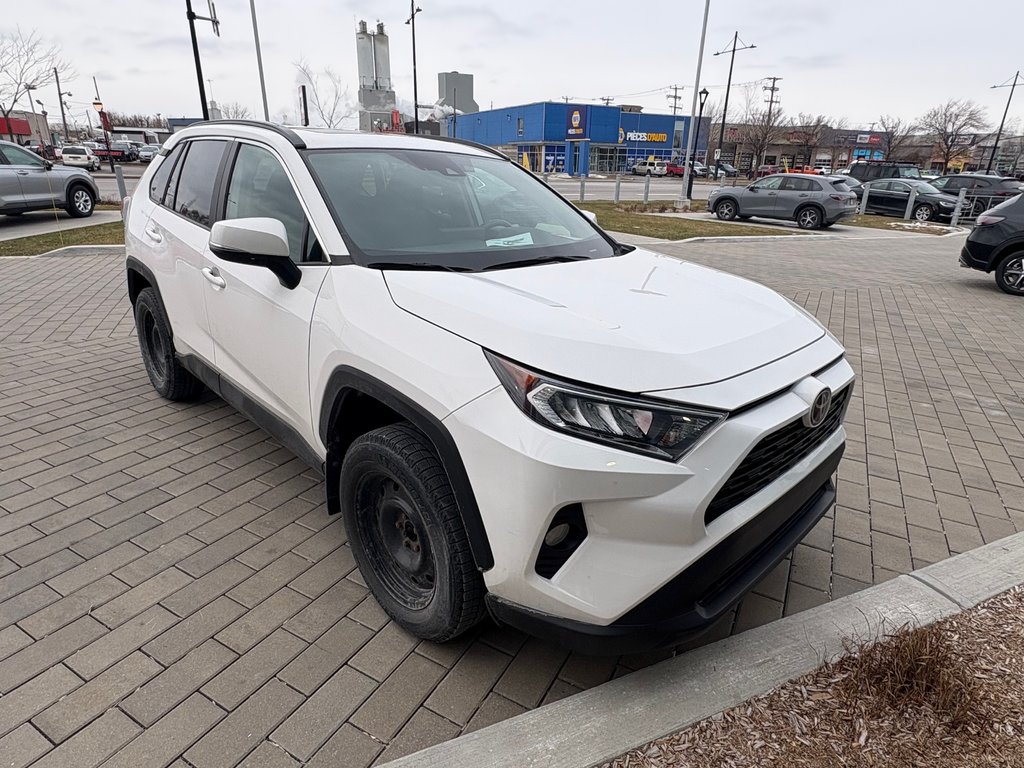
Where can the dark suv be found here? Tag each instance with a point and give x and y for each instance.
(996, 244)
(869, 170)
(982, 191)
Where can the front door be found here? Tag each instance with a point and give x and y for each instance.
(759, 198)
(40, 187)
(260, 327)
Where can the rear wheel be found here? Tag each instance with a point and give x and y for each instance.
(155, 342)
(924, 213)
(1010, 274)
(407, 535)
(726, 210)
(808, 218)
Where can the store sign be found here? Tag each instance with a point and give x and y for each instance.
(576, 123)
(654, 138)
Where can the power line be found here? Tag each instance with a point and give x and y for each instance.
(674, 97)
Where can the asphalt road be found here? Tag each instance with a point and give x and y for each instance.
(631, 188)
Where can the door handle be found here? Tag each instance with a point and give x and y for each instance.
(23, 173)
(804, 194)
(213, 277)
(154, 235)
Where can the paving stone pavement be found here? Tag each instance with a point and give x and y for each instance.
(172, 590)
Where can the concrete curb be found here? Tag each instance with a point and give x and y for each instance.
(599, 724)
(60, 251)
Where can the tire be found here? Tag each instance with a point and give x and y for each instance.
(809, 218)
(725, 210)
(1010, 274)
(407, 535)
(923, 213)
(742, 217)
(167, 376)
(827, 224)
(81, 201)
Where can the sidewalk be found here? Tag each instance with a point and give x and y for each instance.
(44, 222)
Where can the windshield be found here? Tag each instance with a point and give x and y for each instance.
(430, 209)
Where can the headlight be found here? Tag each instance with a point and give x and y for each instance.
(653, 428)
(944, 204)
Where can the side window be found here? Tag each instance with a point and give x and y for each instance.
(18, 156)
(940, 183)
(772, 182)
(194, 196)
(880, 186)
(158, 184)
(172, 183)
(899, 186)
(259, 187)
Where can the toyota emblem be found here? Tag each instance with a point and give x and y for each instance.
(819, 408)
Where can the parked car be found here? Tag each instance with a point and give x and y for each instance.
(983, 191)
(700, 169)
(651, 168)
(497, 333)
(116, 151)
(890, 197)
(996, 244)
(29, 182)
(869, 170)
(148, 152)
(80, 157)
(723, 170)
(767, 170)
(824, 170)
(811, 201)
(675, 169)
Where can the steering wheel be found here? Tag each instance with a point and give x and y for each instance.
(498, 223)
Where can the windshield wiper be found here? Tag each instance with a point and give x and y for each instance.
(535, 260)
(415, 265)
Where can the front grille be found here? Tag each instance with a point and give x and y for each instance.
(776, 454)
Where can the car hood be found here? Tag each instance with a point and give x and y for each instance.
(636, 323)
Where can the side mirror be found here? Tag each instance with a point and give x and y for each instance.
(258, 242)
(590, 215)
(47, 164)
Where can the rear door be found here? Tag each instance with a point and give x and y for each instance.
(261, 328)
(39, 187)
(898, 197)
(793, 192)
(878, 196)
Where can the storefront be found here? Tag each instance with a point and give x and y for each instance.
(578, 139)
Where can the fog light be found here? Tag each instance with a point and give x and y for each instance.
(556, 534)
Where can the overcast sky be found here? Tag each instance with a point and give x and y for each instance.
(856, 60)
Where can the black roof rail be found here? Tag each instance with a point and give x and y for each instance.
(280, 130)
(468, 143)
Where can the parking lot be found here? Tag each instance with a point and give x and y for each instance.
(172, 585)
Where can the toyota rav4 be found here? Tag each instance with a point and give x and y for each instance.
(513, 412)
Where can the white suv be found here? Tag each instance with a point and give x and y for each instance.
(513, 412)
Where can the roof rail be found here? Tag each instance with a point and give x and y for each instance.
(468, 143)
(281, 130)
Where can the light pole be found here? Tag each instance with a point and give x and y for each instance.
(696, 141)
(104, 121)
(35, 117)
(728, 85)
(259, 60)
(999, 133)
(413, 10)
(687, 185)
(212, 18)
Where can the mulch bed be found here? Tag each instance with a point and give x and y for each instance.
(950, 695)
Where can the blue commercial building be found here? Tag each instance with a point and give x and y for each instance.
(579, 139)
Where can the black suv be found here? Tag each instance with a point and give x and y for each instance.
(997, 244)
(983, 191)
(869, 170)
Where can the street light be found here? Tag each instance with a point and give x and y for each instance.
(685, 204)
(98, 106)
(60, 98)
(35, 117)
(999, 133)
(696, 141)
(728, 86)
(414, 9)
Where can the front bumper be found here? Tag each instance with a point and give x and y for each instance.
(690, 603)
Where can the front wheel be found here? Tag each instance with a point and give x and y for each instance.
(924, 213)
(81, 201)
(1010, 274)
(808, 218)
(726, 210)
(407, 535)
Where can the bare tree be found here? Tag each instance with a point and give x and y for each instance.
(759, 129)
(135, 120)
(837, 141)
(26, 60)
(326, 94)
(232, 110)
(953, 126)
(895, 133)
(806, 132)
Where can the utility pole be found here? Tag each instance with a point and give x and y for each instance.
(674, 98)
(566, 99)
(259, 59)
(212, 18)
(60, 98)
(413, 10)
(772, 101)
(606, 99)
(728, 85)
(104, 121)
(999, 133)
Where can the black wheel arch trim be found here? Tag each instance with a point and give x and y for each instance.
(132, 264)
(1007, 248)
(345, 380)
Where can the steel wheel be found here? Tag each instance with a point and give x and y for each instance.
(1010, 275)
(396, 537)
(808, 218)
